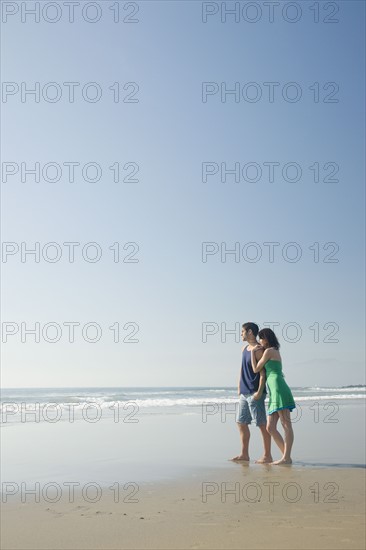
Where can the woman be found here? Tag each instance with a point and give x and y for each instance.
(281, 401)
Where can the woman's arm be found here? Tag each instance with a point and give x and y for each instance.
(258, 366)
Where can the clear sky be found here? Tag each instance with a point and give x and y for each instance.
(178, 125)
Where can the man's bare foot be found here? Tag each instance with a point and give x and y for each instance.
(264, 460)
(241, 458)
(282, 462)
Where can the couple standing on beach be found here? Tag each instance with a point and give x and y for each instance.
(262, 363)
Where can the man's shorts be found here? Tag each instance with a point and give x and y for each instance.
(251, 409)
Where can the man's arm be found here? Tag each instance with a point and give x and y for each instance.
(262, 383)
(242, 349)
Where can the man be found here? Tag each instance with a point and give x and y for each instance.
(252, 393)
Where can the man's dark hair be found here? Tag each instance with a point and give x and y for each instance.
(251, 326)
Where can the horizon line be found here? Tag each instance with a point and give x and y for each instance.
(154, 387)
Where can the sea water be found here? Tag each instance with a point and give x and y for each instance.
(107, 435)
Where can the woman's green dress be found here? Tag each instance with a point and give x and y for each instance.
(280, 396)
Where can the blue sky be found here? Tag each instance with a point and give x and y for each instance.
(170, 211)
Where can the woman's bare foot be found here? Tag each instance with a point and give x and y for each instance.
(282, 462)
(241, 458)
(264, 460)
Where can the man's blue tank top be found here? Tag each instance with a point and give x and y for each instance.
(249, 380)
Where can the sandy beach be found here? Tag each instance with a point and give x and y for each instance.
(241, 506)
(167, 481)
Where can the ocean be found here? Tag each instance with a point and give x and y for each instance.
(16, 405)
(105, 435)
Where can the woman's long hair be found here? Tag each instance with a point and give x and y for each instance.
(270, 336)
